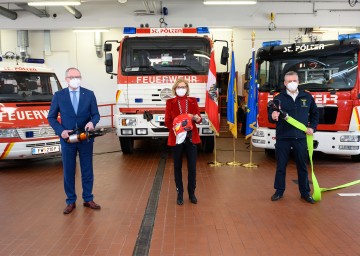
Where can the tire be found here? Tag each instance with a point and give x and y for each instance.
(207, 144)
(355, 158)
(127, 145)
(270, 152)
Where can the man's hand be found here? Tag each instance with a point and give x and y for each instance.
(65, 134)
(89, 126)
(309, 131)
(275, 115)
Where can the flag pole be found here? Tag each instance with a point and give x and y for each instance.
(215, 163)
(234, 163)
(251, 164)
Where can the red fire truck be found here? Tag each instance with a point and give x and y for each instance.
(329, 70)
(150, 61)
(26, 90)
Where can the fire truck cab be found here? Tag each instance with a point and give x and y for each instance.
(26, 90)
(329, 70)
(150, 61)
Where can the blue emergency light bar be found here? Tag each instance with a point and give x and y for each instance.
(32, 60)
(139, 100)
(271, 43)
(202, 30)
(343, 37)
(129, 30)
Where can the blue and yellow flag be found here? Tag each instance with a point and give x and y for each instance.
(252, 107)
(232, 104)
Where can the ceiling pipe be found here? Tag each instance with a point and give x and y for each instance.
(33, 10)
(73, 11)
(7, 13)
(98, 44)
(23, 42)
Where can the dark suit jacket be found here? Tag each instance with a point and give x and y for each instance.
(172, 111)
(61, 103)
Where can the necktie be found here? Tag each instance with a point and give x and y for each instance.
(74, 101)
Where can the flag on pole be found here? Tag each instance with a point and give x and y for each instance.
(252, 110)
(212, 94)
(232, 104)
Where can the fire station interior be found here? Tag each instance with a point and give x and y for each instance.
(134, 178)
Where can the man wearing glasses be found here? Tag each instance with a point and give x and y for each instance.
(78, 111)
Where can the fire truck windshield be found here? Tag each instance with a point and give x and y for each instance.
(26, 86)
(318, 70)
(165, 55)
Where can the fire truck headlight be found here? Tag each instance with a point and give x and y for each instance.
(205, 121)
(9, 133)
(259, 133)
(128, 121)
(350, 138)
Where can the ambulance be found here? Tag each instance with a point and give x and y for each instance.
(329, 70)
(26, 90)
(150, 60)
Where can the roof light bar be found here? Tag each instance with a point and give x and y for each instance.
(271, 43)
(343, 37)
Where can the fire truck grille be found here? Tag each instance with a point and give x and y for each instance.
(31, 133)
(57, 143)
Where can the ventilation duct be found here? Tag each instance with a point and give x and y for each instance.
(33, 10)
(73, 11)
(98, 44)
(23, 42)
(7, 13)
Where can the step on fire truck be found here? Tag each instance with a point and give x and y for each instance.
(150, 61)
(329, 70)
(26, 90)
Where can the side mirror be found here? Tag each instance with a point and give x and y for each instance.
(224, 55)
(109, 63)
(107, 47)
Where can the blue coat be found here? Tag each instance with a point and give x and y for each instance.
(61, 103)
(303, 109)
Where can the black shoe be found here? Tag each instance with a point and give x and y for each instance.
(180, 199)
(308, 199)
(276, 197)
(193, 199)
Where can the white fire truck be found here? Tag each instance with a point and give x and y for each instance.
(26, 90)
(150, 60)
(329, 70)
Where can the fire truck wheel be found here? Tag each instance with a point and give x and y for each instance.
(127, 145)
(270, 152)
(355, 158)
(207, 144)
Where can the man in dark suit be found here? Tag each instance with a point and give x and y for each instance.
(78, 110)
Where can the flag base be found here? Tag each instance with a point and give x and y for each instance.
(250, 165)
(215, 164)
(234, 163)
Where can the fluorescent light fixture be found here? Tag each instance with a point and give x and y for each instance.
(230, 2)
(54, 3)
(322, 29)
(90, 30)
(220, 29)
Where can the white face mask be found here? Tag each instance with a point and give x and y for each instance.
(180, 92)
(292, 86)
(75, 83)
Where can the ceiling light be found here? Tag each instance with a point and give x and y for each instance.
(90, 30)
(54, 3)
(231, 2)
(322, 29)
(122, 1)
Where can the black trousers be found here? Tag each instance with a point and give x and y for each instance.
(283, 148)
(190, 150)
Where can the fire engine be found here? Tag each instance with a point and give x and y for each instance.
(150, 60)
(329, 70)
(26, 90)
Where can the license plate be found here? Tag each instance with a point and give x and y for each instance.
(159, 118)
(45, 150)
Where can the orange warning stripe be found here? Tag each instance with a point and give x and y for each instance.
(7, 150)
